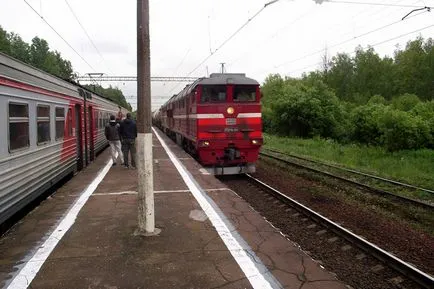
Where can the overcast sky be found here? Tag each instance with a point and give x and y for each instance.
(287, 37)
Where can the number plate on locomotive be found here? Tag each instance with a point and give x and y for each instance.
(231, 129)
(231, 121)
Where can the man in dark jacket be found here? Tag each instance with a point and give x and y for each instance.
(128, 131)
(113, 136)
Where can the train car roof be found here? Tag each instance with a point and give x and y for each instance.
(227, 78)
(17, 70)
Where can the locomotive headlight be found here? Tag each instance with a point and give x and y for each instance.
(230, 110)
(256, 141)
(204, 143)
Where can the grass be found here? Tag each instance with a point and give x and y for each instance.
(412, 167)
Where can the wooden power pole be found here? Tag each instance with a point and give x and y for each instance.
(146, 217)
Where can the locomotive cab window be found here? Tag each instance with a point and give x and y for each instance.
(18, 126)
(60, 122)
(43, 122)
(244, 93)
(213, 93)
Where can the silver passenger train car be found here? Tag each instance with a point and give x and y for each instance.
(49, 128)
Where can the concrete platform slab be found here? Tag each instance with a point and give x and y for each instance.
(209, 236)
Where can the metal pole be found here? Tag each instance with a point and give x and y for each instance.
(146, 218)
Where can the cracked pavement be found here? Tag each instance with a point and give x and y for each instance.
(100, 251)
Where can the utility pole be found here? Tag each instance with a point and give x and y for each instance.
(146, 217)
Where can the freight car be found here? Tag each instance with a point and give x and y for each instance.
(49, 128)
(217, 119)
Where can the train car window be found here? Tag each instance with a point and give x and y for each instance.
(69, 121)
(213, 93)
(193, 96)
(43, 123)
(243, 93)
(18, 126)
(60, 122)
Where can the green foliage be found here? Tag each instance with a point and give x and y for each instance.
(357, 78)
(303, 108)
(402, 131)
(377, 99)
(366, 124)
(410, 166)
(391, 128)
(38, 54)
(425, 110)
(405, 102)
(113, 93)
(363, 99)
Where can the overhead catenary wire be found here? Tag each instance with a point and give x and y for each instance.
(58, 34)
(87, 34)
(232, 35)
(309, 11)
(274, 35)
(376, 4)
(344, 41)
(226, 40)
(373, 45)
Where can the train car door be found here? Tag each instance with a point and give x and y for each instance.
(78, 137)
(91, 134)
(188, 105)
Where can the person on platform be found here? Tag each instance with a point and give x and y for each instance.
(113, 136)
(128, 131)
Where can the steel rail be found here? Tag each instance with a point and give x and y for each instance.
(375, 190)
(422, 278)
(354, 171)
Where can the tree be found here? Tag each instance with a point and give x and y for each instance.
(38, 54)
(415, 68)
(341, 76)
(19, 49)
(5, 46)
(112, 93)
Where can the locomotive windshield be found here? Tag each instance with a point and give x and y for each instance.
(244, 93)
(213, 93)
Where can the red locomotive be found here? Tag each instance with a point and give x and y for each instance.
(217, 119)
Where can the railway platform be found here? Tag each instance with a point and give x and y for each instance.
(83, 236)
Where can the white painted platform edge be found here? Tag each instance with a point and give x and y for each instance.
(31, 268)
(241, 256)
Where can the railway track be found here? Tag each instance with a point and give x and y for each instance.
(354, 182)
(409, 271)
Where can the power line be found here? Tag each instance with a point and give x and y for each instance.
(265, 42)
(344, 42)
(376, 4)
(373, 45)
(87, 34)
(232, 35)
(59, 35)
(177, 68)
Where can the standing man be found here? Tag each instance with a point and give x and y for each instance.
(128, 131)
(113, 136)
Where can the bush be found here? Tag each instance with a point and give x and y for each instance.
(425, 110)
(401, 130)
(366, 124)
(377, 99)
(306, 111)
(405, 102)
